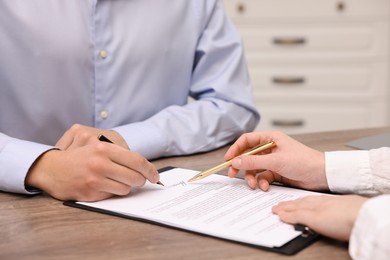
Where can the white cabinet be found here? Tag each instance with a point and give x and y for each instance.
(317, 65)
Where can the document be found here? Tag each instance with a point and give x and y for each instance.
(218, 206)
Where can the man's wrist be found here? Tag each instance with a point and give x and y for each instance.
(35, 179)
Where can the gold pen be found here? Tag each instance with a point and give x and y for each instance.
(215, 169)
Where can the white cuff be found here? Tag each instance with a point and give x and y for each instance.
(349, 172)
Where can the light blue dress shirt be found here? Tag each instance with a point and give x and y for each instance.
(123, 65)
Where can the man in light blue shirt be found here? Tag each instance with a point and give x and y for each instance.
(71, 70)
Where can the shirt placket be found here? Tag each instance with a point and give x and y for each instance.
(102, 59)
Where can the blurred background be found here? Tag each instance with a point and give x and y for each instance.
(316, 65)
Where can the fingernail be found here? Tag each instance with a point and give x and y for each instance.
(250, 182)
(253, 184)
(156, 178)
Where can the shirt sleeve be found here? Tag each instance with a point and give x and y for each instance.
(222, 107)
(370, 234)
(361, 172)
(16, 158)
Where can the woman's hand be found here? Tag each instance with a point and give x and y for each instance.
(290, 162)
(332, 216)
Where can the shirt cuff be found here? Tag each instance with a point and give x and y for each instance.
(15, 160)
(369, 237)
(348, 171)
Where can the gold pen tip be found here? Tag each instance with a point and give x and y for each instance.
(195, 178)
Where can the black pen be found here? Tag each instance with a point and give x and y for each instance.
(105, 139)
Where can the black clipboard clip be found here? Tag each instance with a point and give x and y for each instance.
(306, 231)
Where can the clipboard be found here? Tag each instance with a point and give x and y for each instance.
(290, 248)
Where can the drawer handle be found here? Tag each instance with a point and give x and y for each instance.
(288, 80)
(288, 123)
(290, 41)
(241, 8)
(340, 6)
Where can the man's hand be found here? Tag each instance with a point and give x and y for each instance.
(80, 135)
(93, 171)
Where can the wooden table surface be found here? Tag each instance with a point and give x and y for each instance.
(39, 227)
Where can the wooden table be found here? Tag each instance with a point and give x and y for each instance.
(39, 227)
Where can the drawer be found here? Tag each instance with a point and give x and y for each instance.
(295, 118)
(360, 81)
(315, 41)
(317, 9)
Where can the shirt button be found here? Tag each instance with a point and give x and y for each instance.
(103, 54)
(104, 114)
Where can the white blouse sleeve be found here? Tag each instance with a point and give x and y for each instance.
(361, 172)
(371, 232)
(366, 173)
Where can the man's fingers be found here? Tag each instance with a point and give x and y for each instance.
(65, 141)
(133, 161)
(114, 187)
(122, 174)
